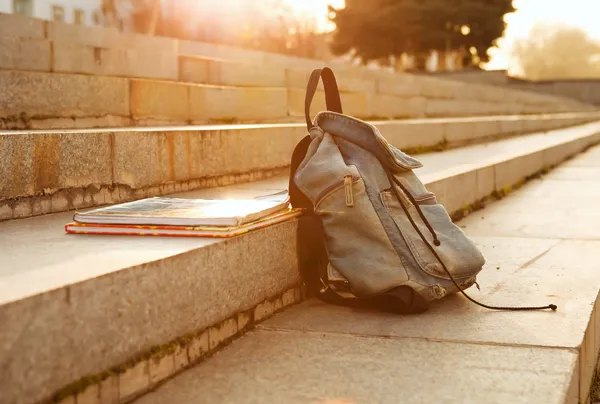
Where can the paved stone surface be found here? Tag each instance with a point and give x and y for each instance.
(283, 367)
(538, 272)
(316, 352)
(133, 280)
(123, 298)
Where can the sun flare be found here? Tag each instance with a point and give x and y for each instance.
(315, 10)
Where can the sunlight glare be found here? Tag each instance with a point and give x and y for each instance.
(315, 10)
(579, 13)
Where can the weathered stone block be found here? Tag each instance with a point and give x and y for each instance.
(68, 400)
(53, 95)
(194, 69)
(227, 73)
(180, 358)
(356, 104)
(412, 134)
(16, 25)
(435, 88)
(485, 182)
(389, 106)
(6, 211)
(91, 395)
(76, 58)
(296, 78)
(22, 208)
(246, 150)
(198, 347)
(439, 108)
(514, 171)
(134, 380)
(198, 49)
(24, 54)
(160, 100)
(222, 332)
(288, 298)
(17, 167)
(511, 126)
(108, 37)
(137, 159)
(460, 191)
(466, 131)
(399, 85)
(295, 102)
(356, 83)
(263, 310)
(44, 162)
(160, 368)
(148, 43)
(109, 390)
(243, 319)
(192, 48)
(212, 103)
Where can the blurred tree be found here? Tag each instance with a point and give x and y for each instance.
(269, 25)
(378, 29)
(553, 51)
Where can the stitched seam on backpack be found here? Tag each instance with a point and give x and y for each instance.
(412, 247)
(408, 241)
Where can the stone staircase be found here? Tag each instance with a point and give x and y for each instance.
(95, 77)
(89, 116)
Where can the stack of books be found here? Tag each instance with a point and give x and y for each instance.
(221, 218)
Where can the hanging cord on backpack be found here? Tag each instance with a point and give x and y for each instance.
(394, 180)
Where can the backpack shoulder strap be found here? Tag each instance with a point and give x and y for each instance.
(334, 104)
(332, 93)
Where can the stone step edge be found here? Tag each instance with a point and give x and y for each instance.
(143, 373)
(175, 72)
(61, 199)
(136, 101)
(150, 367)
(302, 124)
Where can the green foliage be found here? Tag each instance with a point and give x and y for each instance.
(377, 29)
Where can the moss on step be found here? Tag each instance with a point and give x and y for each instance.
(224, 121)
(496, 195)
(375, 118)
(438, 147)
(158, 352)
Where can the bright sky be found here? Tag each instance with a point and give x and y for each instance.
(580, 13)
(316, 8)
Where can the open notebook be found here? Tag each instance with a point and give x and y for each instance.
(187, 212)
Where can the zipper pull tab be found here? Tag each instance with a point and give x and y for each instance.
(348, 189)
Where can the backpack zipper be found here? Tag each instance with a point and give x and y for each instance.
(347, 183)
(348, 180)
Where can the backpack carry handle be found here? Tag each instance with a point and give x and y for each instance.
(332, 93)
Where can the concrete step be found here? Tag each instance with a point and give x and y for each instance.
(37, 45)
(56, 170)
(120, 314)
(127, 79)
(67, 100)
(456, 352)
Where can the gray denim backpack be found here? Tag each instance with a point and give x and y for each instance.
(373, 235)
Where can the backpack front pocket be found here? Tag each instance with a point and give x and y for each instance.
(459, 254)
(356, 242)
